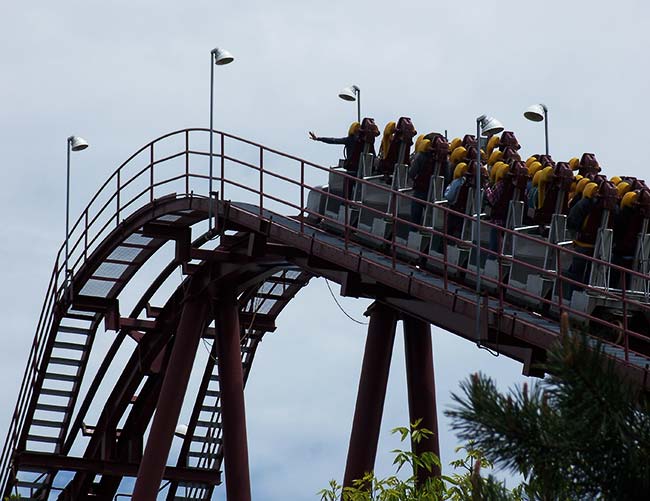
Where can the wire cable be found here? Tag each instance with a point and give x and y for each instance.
(341, 307)
(489, 350)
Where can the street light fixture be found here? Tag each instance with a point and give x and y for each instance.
(538, 113)
(218, 57)
(487, 126)
(352, 93)
(74, 143)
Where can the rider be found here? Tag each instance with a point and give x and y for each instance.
(577, 194)
(585, 219)
(420, 173)
(349, 142)
(581, 220)
(456, 199)
(431, 152)
(626, 230)
(360, 139)
(628, 226)
(532, 198)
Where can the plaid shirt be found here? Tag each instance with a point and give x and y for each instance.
(493, 194)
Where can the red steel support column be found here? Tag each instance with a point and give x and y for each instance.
(372, 392)
(421, 387)
(231, 381)
(172, 393)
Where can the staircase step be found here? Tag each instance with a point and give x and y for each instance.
(213, 393)
(191, 485)
(65, 361)
(206, 424)
(80, 316)
(214, 377)
(202, 455)
(69, 346)
(60, 377)
(207, 440)
(56, 393)
(25, 484)
(73, 330)
(43, 439)
(211, 408)
(51, 408)
(46, 423)
(201, 496)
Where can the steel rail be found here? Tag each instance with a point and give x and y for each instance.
(90, 230)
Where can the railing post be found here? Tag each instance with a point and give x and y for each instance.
(501, 238)
(346, 182)
(394, 229)
(187, 162)
(151, 173)
(445, 264)
(86, 234)
(625, 331)
(560, 284)
(302, 196)
(223, 168)
(261, 180)
(117, 213)
(56, 275)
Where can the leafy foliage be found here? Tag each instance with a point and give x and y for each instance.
(581, 433)
(469, 486)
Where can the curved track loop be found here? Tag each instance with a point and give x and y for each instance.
(149, 201)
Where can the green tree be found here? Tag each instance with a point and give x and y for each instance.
(581, 433)
(468, 485)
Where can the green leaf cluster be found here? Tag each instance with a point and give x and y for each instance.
(465, 486)
(581, 433)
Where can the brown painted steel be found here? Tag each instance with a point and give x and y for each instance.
(362, 450)
(405, 290)
(421, 387)
(231, 380)
(190, 328)
(42, 461)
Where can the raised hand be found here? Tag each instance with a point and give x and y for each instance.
(312, 136)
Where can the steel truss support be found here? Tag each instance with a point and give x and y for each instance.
(421, 387)
(231, 381)
(190, 328)
(372, 392)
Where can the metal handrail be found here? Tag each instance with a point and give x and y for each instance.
(100, 217)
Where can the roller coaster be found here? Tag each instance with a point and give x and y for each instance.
(276, 221)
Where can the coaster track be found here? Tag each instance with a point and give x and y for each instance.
(267, 244)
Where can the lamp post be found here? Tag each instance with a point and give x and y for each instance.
(218, 57)
(74, 143)
(487, 126)
(537, 113)
(352, 93)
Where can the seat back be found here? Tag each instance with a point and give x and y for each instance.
(364, 145)
(554, 194)
(396, 148)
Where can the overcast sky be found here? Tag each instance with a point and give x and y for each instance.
(122, 73)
